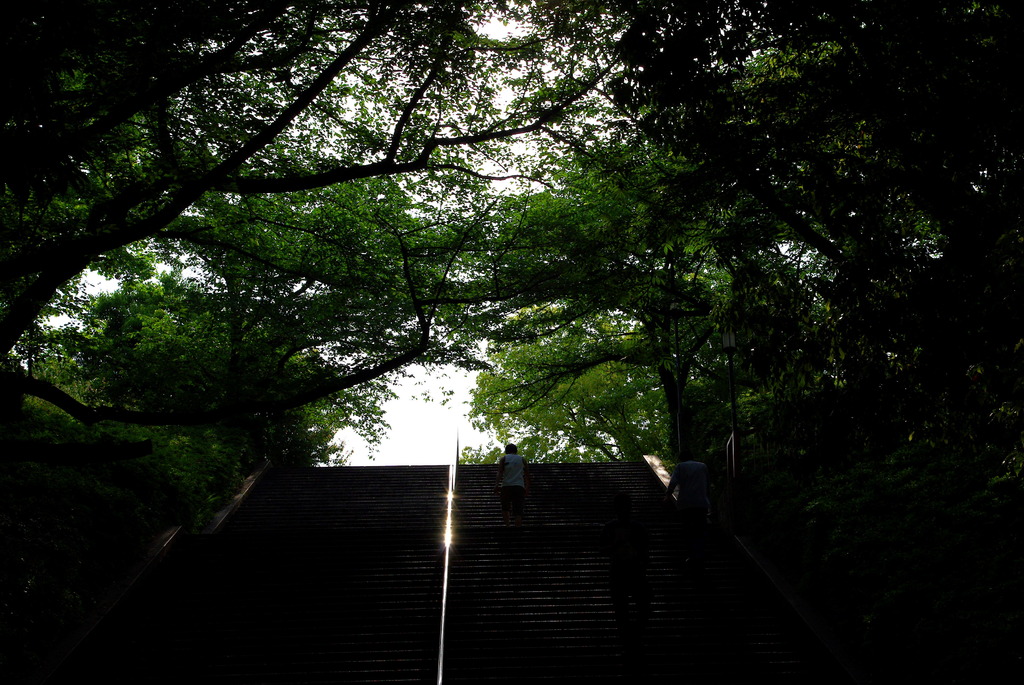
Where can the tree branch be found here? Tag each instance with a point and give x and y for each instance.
(109, 236)
(391, 167)
(410, 107)
(34, 387)
(72, 453)
(489, 177)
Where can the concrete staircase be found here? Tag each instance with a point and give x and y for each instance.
(322, 576)
(336, 576)
(533, 604)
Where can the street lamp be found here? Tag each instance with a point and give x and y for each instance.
(675, 311)
(729, 346)
(732, 467)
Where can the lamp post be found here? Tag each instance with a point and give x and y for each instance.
(729, 346)
(675, 311)
(732, 447)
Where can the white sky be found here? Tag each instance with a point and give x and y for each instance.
(422, 432)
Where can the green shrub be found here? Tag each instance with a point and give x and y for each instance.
(917, 558)
(69, 532)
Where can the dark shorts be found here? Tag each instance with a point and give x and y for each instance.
(512, 498)
(695, 531)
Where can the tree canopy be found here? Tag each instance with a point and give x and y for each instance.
(304, 193)
(310, 174)
(877, 144)
(288, 202)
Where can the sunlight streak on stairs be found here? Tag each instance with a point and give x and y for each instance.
(444, 582)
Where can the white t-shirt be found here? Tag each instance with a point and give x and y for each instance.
(513, 473)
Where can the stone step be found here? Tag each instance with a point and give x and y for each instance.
(335, 576)
(322, 606)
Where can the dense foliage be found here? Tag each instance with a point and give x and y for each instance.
(915, 556)
(894, 201)
(853, 170)
(286, 203)
(593, 374)
(224, 226)
(70, 530)
(311, 174)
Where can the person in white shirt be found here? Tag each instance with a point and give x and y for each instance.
(513, 484)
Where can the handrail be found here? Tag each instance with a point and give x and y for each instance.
(804, 612)
(221, 517)
(732, 456)
(156, 552)
(452, 468)
(658, 468)
(807, 614)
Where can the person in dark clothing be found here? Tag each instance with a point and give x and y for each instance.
(626, 544)
(694, 506)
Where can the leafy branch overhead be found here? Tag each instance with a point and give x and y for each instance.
(246, 147)
(226, 227)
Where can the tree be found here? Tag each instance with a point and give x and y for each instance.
(877, 300)
(217, 137)
(883, 277)
(601, 367)
(606, 408)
